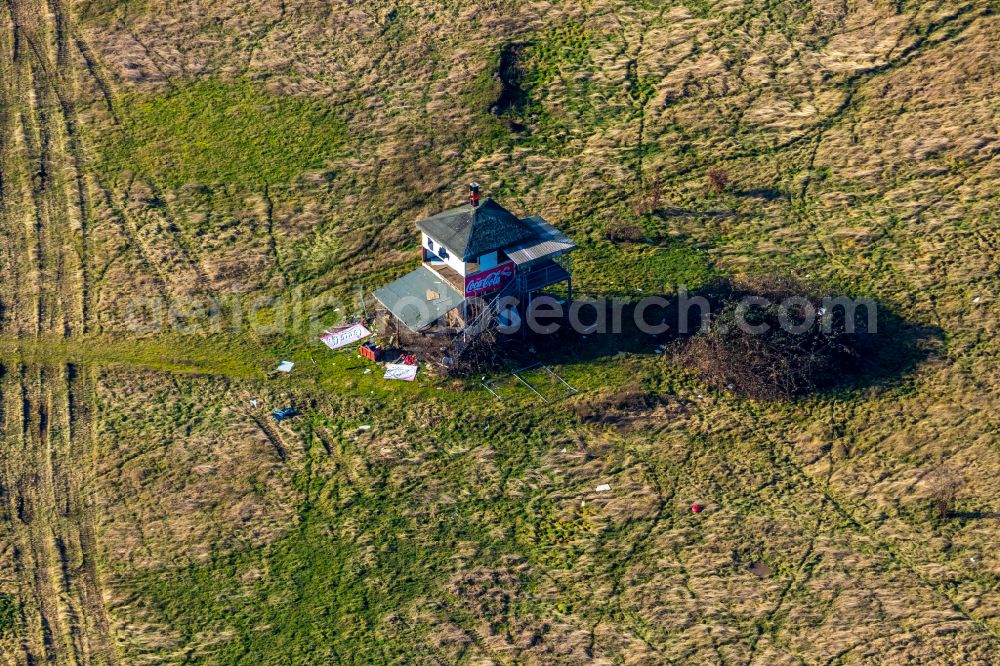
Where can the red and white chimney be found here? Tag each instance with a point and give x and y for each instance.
(474, 190)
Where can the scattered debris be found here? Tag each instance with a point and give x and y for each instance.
(368, 371)
(280, 415)
(253, 403)
(977, 299)
(364, 427)
(603, 488)
(759, 569)
(697, 508)
(285, 366)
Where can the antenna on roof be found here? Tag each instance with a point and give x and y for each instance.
(474, 190)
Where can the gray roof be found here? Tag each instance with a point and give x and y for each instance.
(546, 242)
(472, 232)
(406, 298)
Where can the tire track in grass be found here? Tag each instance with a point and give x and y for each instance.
(20, 217)
(16, 510)
(47, 433)
(28, 470)
(28, 480)
(80, 406)
(130, 231)
(272, 436)
(90, 62)
(784, 455)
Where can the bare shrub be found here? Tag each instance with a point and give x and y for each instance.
(718, 179)
(628, 400)
(945, 485)
(622, 230)
(648, 198)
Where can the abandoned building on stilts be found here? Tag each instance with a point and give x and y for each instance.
(482, 265)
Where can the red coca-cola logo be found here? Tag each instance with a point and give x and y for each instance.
(490, 280)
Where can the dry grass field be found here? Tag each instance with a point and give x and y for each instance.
(164, 166)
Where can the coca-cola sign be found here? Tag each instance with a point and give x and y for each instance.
(491, 280)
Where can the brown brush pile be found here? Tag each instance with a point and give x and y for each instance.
(774, 338)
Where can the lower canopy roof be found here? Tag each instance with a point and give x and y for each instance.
(419, 299)
(547, 242)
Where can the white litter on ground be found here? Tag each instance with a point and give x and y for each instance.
(603, 488)
(364, 427)
(285, 366)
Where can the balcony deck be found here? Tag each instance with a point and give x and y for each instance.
(450, 275)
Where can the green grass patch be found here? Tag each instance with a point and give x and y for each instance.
(212, 132)
(8, 614)
(566, 45)
(314, 596)
(607, 269)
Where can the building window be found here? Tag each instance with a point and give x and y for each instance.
(443, 253)
(430, 245)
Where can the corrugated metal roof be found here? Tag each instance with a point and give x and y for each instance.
(548, 242)
(406, 298)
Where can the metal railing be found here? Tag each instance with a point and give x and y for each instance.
(551, 273)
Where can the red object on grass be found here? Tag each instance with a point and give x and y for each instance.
(697, 508)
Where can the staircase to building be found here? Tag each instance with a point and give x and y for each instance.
(539, 277)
